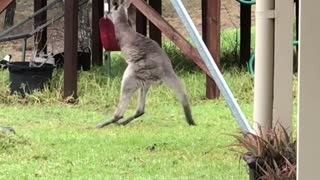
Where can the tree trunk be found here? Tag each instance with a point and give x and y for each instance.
(9, 17)
(84, 27)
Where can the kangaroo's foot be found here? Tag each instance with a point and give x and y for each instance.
(128, 120)
(107, 123)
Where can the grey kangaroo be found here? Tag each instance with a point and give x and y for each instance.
(147, 64)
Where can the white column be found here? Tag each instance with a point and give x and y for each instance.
(263, 81)
(309, 89)
(283, 64)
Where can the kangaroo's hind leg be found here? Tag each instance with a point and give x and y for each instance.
(172, 80)
(128, 87)
(141, 107)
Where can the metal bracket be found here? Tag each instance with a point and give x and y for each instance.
(268, 14)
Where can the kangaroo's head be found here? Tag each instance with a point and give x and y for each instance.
(119, 11)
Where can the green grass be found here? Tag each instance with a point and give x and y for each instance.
(58, 141)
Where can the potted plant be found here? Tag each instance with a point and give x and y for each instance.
(270, 154)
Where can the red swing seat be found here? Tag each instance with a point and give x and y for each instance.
(108, 36)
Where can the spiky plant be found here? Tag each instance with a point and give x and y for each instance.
(271, 154)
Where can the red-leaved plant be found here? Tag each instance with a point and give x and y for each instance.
(271, 154)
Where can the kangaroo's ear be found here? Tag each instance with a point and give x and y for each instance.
(126, 3)
(115, 4)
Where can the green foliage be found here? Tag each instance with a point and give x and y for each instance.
(179, 60)
(230, 48)
(96, 88)
(229, 57)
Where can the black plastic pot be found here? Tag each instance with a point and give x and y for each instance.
(84, 59)
(25, 79)
(252, 174)
(252, 164)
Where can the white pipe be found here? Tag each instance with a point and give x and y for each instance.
(211, 65)
(263, 82)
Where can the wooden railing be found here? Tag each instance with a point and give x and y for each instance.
(4, 4)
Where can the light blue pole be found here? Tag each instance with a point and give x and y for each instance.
(211, 65)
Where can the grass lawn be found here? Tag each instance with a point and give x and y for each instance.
(58, 141)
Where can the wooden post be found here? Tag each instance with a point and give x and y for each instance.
(141, 23)
(40, 37)
(154, 32)
(245, 34)
(70, 48)
(211, 35)
(96, 49)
